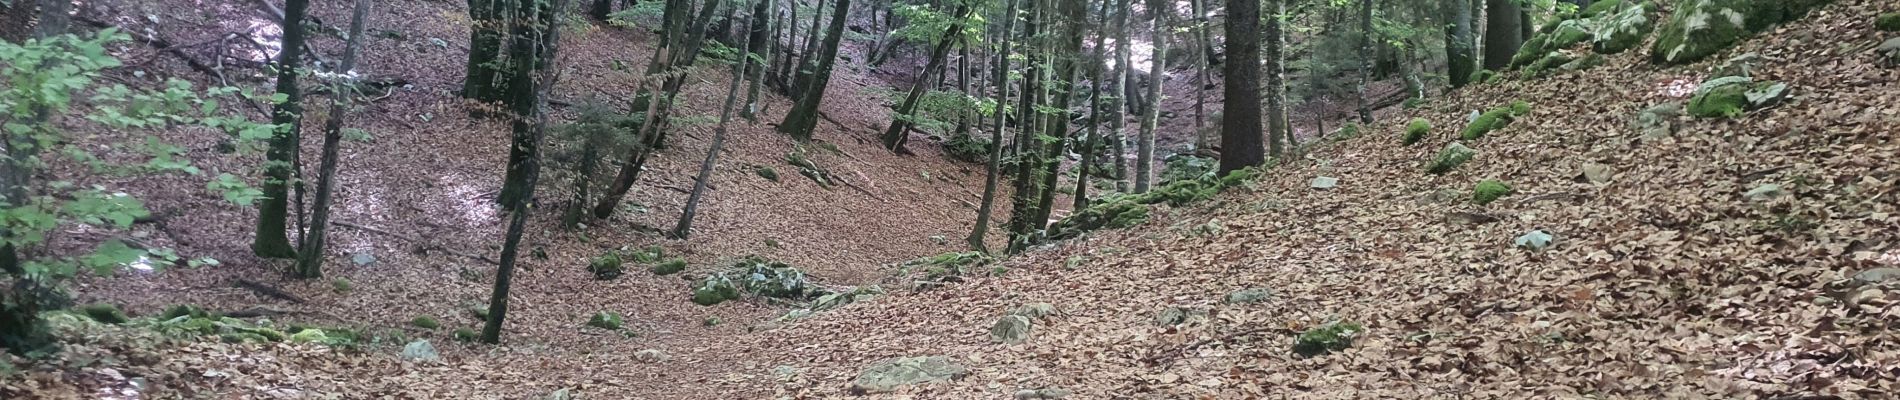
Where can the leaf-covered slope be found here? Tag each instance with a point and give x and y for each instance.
(1668, 280)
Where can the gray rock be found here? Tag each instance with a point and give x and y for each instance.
(363, 258)
(420, 351)
(1172, 316)
(1657, 122)
(1035, 310)
(1439, 196)
(651, 356)
(1597, 173)
(1889, 52)
(1878, 276)
(786, 373)
(1535, 240)
(1248, 296)
(1742, 66)
(1048, 393)
(890, 374)
(1010, 329)
(1325, 182)
(1766, 95)
(1763, 192)
(563, 394)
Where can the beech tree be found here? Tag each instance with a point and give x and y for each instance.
(992, 168)
(1502, 33)
(280, 164)
(1240, 136)
(310, 252)
(685, 226)
(482, 75)
(1279, 128)
(535, 39)
(898, 132)
(1460, 46)
(803, 117)
(1145, 146)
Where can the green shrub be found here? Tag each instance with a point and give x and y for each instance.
(768, 173)
(605, 320)
(104, 313)
(425, 322)
(1489, 190)
(670, 266)
(1889, 22)
(340, 285)
(1332, 337)
(606, 266)
(967, 148)
(1416, 131)
(1450, 158)
(465, 335)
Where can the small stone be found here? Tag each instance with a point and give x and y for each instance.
(1248, 296)
(1877, 276)
(1325, 182)
(419, 351)
(363, 258)
(1439, 196)
(1035, 310)
(650, 356)
(890, 374)
(1764, 192)
(1010, 329)
(562, 394)
(1049, 393)
(1535, 240)
(785, 372)
(1597, 173)
(1172, 316)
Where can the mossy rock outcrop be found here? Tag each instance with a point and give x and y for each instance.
(1494, 119)
(606, 266)
(1619, 31)
(104, 313)
(1701, 28)
(1450, 158)
(1889, 22)
(1565, 34)
(1731, 96)
(759, 277)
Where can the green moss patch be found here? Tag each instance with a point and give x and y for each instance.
(1416, 131)
(605, 266)
(759, 277)
(1889, 22)
(1732, 96)
(425, 322)
(768, 173)
(465, 335)
(1602, 6)
(605, 320)
(1328, 338)
(1490, 190)
(670, 266)
(104, 313)
(1496, 118)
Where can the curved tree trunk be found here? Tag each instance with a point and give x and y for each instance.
(996, 137)
(898, 132)
(804, 115)
(310, 252)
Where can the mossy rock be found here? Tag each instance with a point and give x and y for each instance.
(1586, 62)
(774, 279)
(1545, 65)
(1701, 28)
(1600, 7)
(650, 254)
(1106, 215)
(425, 322)
(1731, 96)
(1484, 76)
(340, 285)
(605, 320)
(1496, 118)
(669, 267)
(1326, 339)
(310, 336)
(1450, 158)
(466, 335)
(184, 310)
(1623, 30)
(1416, 131)
(104, 313)
(715, 289)
(1536, 47)
(768, 173)
(1490, 190)
(1889, 22)
(606, 266)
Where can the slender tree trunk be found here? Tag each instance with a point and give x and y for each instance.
(685, 226)
(786, 82)
(1022, 200)
(996, 136)
(480, 79)
(310, 253)
(1279, 129)
(22, 331)
(1124, 68)
(271, 240)
(1501, 34)
(1201, 54)
(804, 116)
(1074, 17)
(966, 114)
(1083, 167)
(807, 64)
(1145, 150)
(757, 42)
(1240, 125)
(1366, 58)
(531, 121)
(898, 132)
(529, 58)
(1459, 60)
(675, 22)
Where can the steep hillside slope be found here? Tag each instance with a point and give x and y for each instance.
(1667, 280)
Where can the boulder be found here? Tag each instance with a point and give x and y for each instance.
(418, 351)
(1248, 296)
(1889, 52)
(1451, 157)
(1731, 96)
(1324, 182)
(1035, 310)
(1622, 30)
(1535, 240)
(1010, 329)
(890, 374)
(1701, 28)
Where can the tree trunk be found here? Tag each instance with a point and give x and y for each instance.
(602, 9)
(898, 132)
(1145, 150)
(1279, 129)
(1366, 58)
(310, 253)
(1201, 54)
(804, 116)
(1459, 54)
(481, 78)
(996, 136)
(674, 22)
(685, 226)
(1501, 34)
(1022, 199)
(757, 42)
(531, 121)
(529, 57)
(1096, 73)
(806, 66)
(1240, 134)
(785, 68)
(1123, 91)
(271, 240)
(1074, 17)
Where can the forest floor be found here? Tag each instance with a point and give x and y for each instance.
(1668, 278)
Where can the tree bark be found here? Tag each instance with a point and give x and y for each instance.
(1145, 150)
(1240, 136)
(310, 253)
(804, 116)
(1075, 17)
(530, 57)
(271, 240)
(755, 43)
(898, 132)
(1123, 91)
(1202, 52)
(1279, 129)
(996, 137)
(1501, 34)
(481, 78)
(685, 227)
(1459, 55)
(1366, 58)
(532, 123)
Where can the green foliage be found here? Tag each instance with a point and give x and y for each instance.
(1348, 131)
(1889, 22)
(605, 320)
(465, 335)
(670, 266)
(425, 322)
(340, 285)
(1600, 7)
(767, 172)
(1416, 131)
(1490, 190)
(605, 266)
(1329, 338)
(967, 148)
(104, 313)
(1450, 158)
